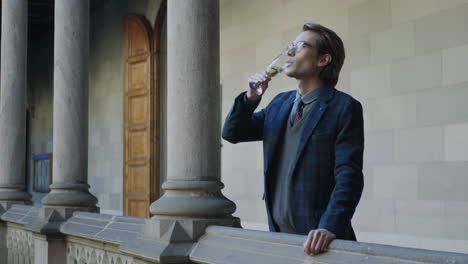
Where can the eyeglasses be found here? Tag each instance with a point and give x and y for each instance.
(298, 46)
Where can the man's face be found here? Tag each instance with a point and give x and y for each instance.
(304, 62)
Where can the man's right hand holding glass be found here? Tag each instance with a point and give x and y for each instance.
(262, 79)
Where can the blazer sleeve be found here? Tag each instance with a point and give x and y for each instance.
(242, 124)
(349, 182)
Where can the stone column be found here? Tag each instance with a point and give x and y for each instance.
(69, 188)
(192, 198)
(13, 104)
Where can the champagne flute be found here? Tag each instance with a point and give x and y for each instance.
(278, 64)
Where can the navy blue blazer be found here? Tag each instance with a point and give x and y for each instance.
(327, 179)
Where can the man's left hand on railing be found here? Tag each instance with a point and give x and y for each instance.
(318, 241)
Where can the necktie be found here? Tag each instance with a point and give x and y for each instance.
(298, 115)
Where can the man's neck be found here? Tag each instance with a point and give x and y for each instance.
(306, 85)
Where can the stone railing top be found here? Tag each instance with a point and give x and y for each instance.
(103, 227)
(234, 245)
(229, 245)
(21, 214)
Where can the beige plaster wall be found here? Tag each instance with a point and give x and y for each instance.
(407, 62)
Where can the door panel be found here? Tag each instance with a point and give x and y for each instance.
(138, 118)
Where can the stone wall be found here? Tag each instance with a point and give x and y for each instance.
(407, 63)
(40, 103)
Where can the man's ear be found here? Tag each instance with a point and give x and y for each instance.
(324, 60)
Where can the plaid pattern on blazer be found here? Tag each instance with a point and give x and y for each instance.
(327, 179)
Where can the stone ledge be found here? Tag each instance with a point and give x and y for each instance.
(102, 227)
(157, 251)
(21, 214)
(234, 245)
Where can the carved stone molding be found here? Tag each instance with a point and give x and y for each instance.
(20, 244)
(78, 253)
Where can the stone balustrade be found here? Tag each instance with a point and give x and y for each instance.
(19, 241)
(20, 245)
(81, 252)
(99, 238)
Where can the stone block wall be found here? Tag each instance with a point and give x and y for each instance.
(407, 64)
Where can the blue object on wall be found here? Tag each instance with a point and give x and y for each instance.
(43, 156)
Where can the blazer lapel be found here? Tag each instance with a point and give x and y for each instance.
(277, 125)
(317, 112)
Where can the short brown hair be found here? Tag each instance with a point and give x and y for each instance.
(328, 43)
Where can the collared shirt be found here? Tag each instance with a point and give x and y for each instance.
(307, 99)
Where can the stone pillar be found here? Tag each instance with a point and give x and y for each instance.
(69, 188)
(13, 104)
(192, 198)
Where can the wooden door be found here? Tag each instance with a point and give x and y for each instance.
(139, 171)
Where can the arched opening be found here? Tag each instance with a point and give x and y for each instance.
(142, 101)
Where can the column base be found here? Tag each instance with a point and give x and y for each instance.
(69, 195)
(60, 204)
(180, 218)
(171, 240)
(51, 218)
(182, 230)
(10, 197)
(60, 214)
(193, 199)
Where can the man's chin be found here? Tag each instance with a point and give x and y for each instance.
(290, 74)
